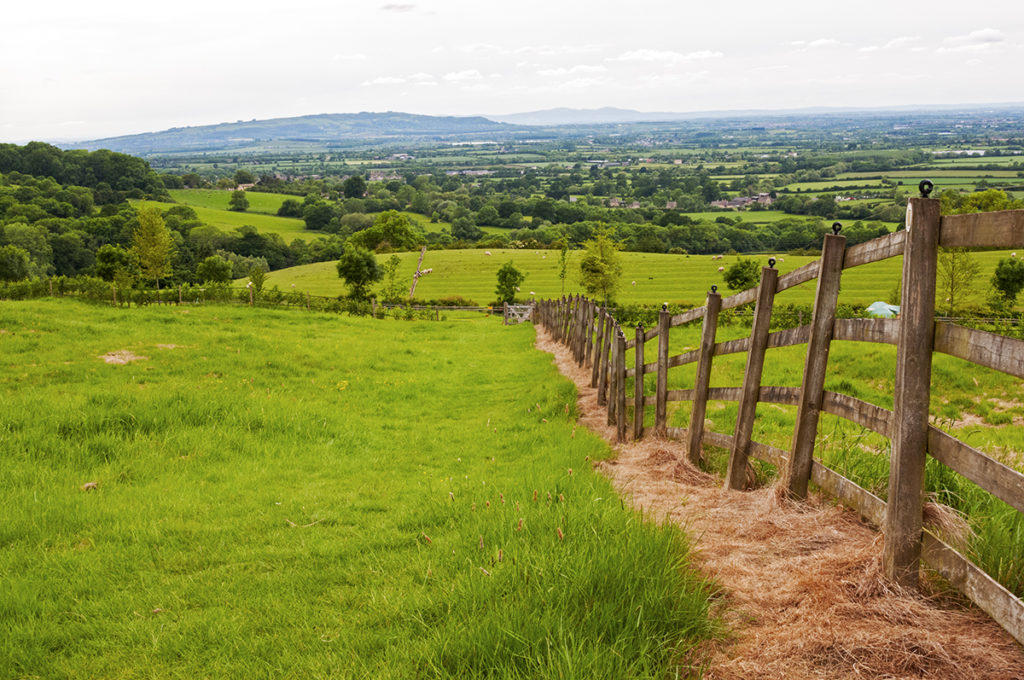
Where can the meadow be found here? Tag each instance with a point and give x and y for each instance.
(289, 228)
(216, 199)
(658, 277)
(263, 493)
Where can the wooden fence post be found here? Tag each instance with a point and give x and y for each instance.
(606, 350)
(113, 291)
(812, 386)
(620, 387)
(703, 379)
(504, 313)
(250, 294)
(51, 288)
(736, 475)
(661, 392)
(638, 384)
(598, 347)
(901, 553)
(588, 355)
(613, 362)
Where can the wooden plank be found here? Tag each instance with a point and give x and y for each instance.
(722, 441)
(1003, 606)
(683, 359)
(638, 384)
(606, 353)
(874, 418)
(1003, 229)
(732, 346)
(867, 330)
(591, 313)
(771, 394)
(980, 347)
(871, 507)
(736, 474)
(738, 299)
(651, 367)
(687, 316)
(598, 344)
(790, 336)
(676, 432)
(800, 275)
(812, 385)
(999, 480)
(901, 553)
(875, 250)
(660, 407)
(651, 334)
(768, 454)
(702, 380)
(613, 375)
(620, 391)
(679, 395)
(724, 393)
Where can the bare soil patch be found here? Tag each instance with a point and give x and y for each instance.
(123, 356)
(802, 589)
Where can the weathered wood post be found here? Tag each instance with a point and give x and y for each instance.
(736, 475)
(901, 553)
(179, 293)
(661, 391)
(598, 347)
(613, 375)
(588, 357)
(812, 386)
(249, 286)
(620, 387)
(51, 287)
(638, 384)
(606, 350)
(504, 313)
(703, 379)
(113, 291)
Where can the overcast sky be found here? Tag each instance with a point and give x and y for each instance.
(80, 70)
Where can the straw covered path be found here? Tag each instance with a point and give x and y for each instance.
(802, 591)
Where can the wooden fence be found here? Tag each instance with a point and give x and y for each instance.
(597, 340)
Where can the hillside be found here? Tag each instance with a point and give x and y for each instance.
(338, 128)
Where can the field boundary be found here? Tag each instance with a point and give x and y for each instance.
(596, 340)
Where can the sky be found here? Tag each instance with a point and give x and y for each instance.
(84, 70)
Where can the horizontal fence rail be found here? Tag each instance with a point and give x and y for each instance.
(598, 342)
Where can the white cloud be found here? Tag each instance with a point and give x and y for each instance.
(894, 44)
(462, 76)
(572, 70)
(667, 56)
(384, 80)
(975, 41)
(421, 76)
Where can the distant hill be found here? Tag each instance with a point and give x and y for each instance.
(602, 116)
(321, 128)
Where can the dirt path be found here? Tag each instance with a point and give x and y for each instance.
(803, 593)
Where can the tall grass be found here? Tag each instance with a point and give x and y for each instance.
(302, 495)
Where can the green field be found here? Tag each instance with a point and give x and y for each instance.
(284, 494)
(259, 202)
(659, 277)
(288, 228)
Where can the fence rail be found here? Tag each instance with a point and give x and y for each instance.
(597, 340)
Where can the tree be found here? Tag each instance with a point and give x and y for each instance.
(317, 215)
(563, 262)
(464, 228)
(359, 268)
(257, 277)
(14, 263)
(152, 244)
(354, 187)
(393, 288)
(290, 208)
(244, 177)
(1008, 278)
(391, 230)
(742, 274)
(214, 269)
(113, 260)
(601, 266)
(509, 279)
(238, 201)
(957, 271)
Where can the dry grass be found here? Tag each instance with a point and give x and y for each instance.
(802, 586)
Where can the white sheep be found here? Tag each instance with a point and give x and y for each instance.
(1013, 254)
(634, 283)
(721, 269)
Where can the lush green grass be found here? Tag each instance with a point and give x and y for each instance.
(659, 278)
(283, 494)
(289, 228)
(259, 202)
(980, 406)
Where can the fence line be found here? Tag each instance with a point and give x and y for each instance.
(597, 340)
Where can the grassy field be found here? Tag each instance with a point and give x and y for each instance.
(259, 202)
(980, 406)
(659, 278)
(288, 227)
(283, 494)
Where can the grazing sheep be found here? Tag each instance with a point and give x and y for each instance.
(634, 283)
(721, 269)
(487, 252)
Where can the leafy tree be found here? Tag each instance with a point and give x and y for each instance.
(317, 215)
(464, 228)
(354, 187)
(1008, 278)
(601, 266)
(214, 269)
(257, 277)
(290, 208)
(113, 260)
(152, 244)
(359, 268)
(238, 201)
(244, 177)
(509, 279)
(393, 288)
(563, 263)
(957, 271)
(14, 263)
(742, 274)
(32, 239)
(391, 230)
